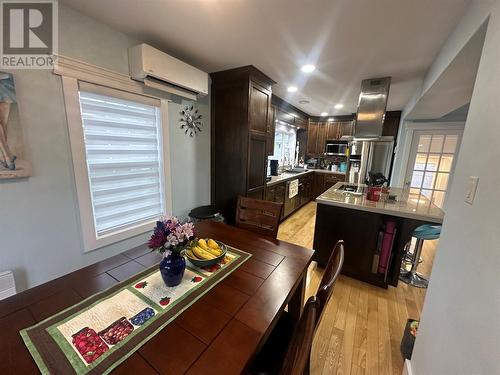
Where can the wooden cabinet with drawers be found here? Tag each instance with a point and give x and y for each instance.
(310, 186)
(241, 130)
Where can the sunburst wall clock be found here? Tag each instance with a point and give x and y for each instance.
(190, 120)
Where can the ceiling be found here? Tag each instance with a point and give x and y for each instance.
(347, 40)
(453, 89)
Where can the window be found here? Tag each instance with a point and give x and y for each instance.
(118, 155)
(431, 163)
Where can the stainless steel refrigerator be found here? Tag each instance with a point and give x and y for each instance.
(369, 155)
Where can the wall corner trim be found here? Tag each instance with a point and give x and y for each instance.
(407, 368)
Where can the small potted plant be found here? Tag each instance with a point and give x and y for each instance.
(170, 238)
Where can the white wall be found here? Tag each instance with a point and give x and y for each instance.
(190, 161)
(476, 14)
(460, 329)
(39, 227)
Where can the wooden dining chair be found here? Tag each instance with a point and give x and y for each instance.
(298, 355)
(287, 333)
(332, 272)
(290, 356)
(262, 217)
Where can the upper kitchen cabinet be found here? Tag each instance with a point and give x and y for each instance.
(312, 138)
(242, 126)
(301, 123)
(321, 131)
(271, 131)
(321, 141)
(391, 123)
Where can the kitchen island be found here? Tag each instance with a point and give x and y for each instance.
(343, 215)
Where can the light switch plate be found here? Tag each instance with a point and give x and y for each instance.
(471, 189)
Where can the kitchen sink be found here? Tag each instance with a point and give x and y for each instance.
(351, 189)
(295, 170)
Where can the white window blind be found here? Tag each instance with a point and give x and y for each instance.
(123, 150)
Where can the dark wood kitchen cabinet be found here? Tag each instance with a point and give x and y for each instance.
(316, 138)
(307, 183)
(318, 182)
(312, 139)
(345, 128)
(301, 123)
(241, 128)
(324, 181)
(319, 132)
(321, 142)
(279, 192)
(331, 179)
(276, 193)
(271, 129)
(333, 130)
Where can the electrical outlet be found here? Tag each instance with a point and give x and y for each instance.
(471, 189)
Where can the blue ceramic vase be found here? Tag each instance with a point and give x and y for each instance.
(172, 269)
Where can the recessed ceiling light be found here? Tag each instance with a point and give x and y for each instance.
(308, 68)
(292, 89)
(338, 106)
(323, 114)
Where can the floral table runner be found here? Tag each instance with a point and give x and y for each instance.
(97, 334)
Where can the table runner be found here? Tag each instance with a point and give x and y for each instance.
(97, 334)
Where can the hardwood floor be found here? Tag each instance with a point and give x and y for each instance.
(362, 326)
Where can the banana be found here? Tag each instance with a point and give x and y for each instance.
(202, 254)
(215, 252)
(203, 244)
(212, 244)
(190, 254)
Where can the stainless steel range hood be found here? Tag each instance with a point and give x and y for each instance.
(371, 107)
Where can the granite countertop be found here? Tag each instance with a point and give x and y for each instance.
(414, 207)
(291, 176)
(327, 171)
(287, 176)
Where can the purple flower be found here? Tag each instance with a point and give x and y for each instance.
(170, 234)
(157, 240)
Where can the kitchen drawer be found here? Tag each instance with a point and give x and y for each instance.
(280, 193)
(271, 193)
(333, 178)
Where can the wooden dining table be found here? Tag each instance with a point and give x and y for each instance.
(219, 334)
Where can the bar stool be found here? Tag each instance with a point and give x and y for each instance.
(422, 233)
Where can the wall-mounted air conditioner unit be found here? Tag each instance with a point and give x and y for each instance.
(161, 71)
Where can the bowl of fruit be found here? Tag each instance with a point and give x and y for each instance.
(206, 252)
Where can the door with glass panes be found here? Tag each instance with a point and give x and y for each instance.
(431, 164)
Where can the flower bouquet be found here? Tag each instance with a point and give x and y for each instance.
(170, 238)
(170, 234)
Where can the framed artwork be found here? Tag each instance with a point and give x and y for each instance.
(13, 161)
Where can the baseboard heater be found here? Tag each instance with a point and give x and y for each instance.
(7, 284)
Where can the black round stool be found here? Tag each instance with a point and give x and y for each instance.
(206, 213)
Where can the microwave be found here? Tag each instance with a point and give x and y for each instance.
(336, 147)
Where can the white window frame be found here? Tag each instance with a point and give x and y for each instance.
(411, 127)
(431, 127)
(91, 240)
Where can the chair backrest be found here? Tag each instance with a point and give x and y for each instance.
(332, 271)
(259, 216)
(298, 354)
